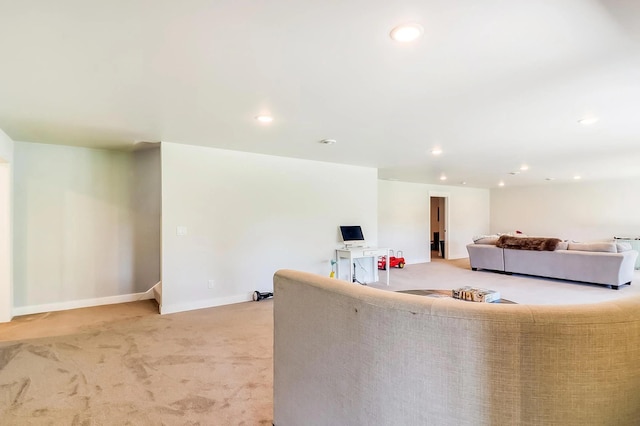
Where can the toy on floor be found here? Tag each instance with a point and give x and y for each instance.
(257, 296)
(333, 271)
(394, 262)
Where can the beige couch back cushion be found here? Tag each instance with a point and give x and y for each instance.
(599, 247)
(346, 354)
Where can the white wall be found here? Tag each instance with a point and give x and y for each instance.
(72, 226)
(404, 211)
(6, 252)
(582, 211)
(6, 147)
(248, 215)
(147, 214)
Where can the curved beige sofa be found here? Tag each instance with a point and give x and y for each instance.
(346, 354)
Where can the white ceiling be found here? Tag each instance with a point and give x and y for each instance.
(494, 83)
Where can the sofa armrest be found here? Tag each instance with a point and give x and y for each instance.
(486, 256)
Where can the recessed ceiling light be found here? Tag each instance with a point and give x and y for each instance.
(524, 167)
(406, 33)
(436, 151)
(587, 121)
(327, 141)
(577, 177)
(264, 118)
(443, 177)
(501, 183)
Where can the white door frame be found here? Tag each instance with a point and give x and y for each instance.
(6, 274)
(445, 195)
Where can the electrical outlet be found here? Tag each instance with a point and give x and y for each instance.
(211, 284)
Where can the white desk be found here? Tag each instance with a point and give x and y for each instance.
(360, 253)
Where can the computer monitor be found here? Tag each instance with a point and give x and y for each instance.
(352, 235)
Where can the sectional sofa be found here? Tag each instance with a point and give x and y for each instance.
(347, 354)
(603, 263)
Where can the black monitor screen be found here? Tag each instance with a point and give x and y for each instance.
(351, 233)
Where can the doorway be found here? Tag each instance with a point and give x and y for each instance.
(438, 227)
(6, 285)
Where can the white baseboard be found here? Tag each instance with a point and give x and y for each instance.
(207, 303)
(85, 303)
(110, 300)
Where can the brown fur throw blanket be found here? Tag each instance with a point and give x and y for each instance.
(528, 243)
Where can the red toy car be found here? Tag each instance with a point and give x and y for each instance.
(394, 262)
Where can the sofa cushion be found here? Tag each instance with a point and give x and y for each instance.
(484, 238)
(492, 240)
(622, 247)
(599, 247)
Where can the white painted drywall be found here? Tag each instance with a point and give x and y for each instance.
(72, 224)
(404, 211)
(6, 147)
(146, 205)
(6, 255)
(582, 211)
(248, 215)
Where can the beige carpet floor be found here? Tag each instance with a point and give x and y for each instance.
(127, 365)
(444, 275)
(205, 367)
